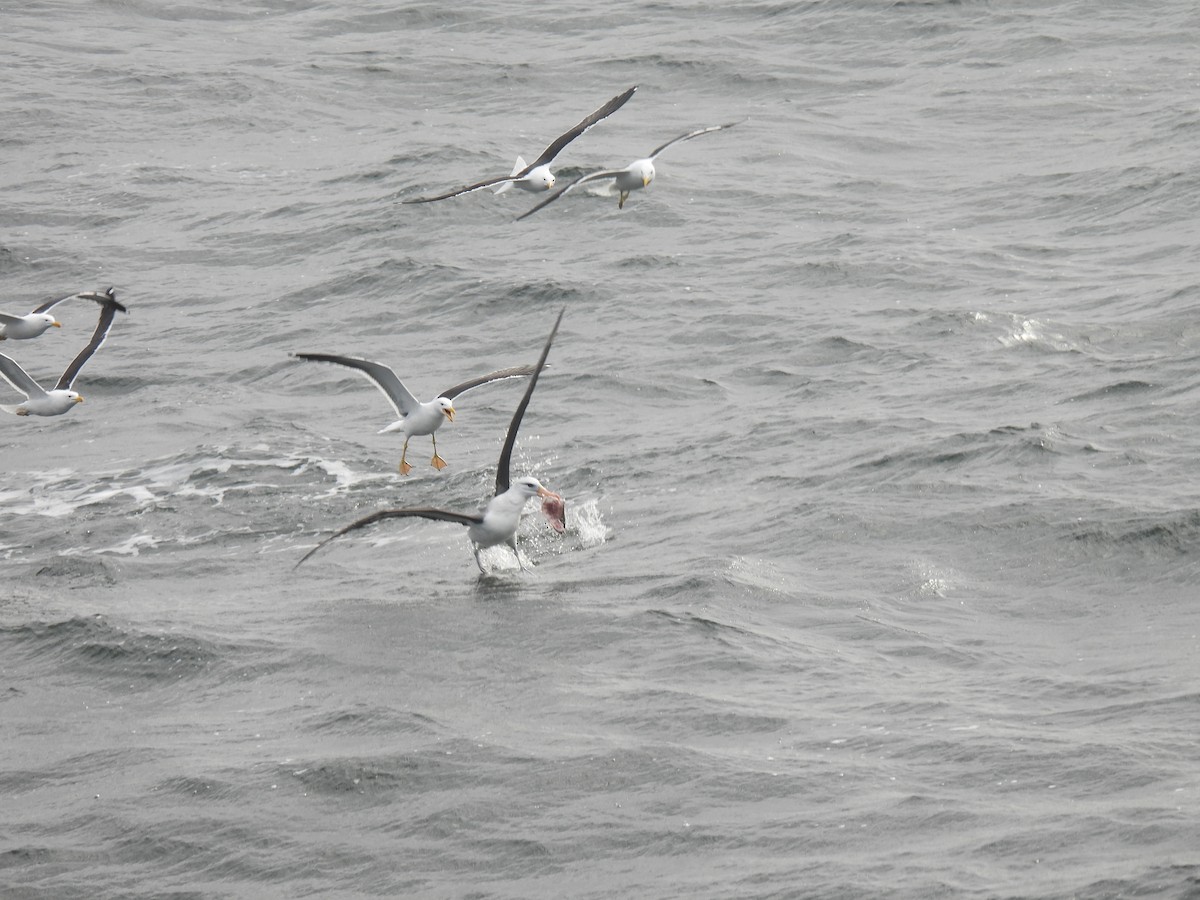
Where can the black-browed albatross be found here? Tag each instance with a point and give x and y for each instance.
(635, 176)
(536, 176)
(416, 418)
(497, 522)
(39, 320)
(39, 401)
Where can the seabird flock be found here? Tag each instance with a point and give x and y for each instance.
(536, 177)
(497, 522)
(38, 400)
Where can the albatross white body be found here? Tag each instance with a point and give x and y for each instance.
(502, 516)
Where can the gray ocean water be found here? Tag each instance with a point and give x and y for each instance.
(876, 416)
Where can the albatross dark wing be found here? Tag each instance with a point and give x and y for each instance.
(502, 476)
(442, 515)
(108, 312)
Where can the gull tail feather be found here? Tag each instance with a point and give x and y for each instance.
(517, 167)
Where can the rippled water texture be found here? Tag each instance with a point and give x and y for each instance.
(875, 416)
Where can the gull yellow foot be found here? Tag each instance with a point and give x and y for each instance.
(437, 462)
(405, 468)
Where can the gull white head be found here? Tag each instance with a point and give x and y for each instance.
(446, 406)
(643, 170)
(636, 176)
(539, 179)
(29, 326)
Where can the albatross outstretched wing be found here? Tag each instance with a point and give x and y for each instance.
(510, 438)
(425, 512)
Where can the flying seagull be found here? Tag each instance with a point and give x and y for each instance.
(415, 417)
(635, 176)
(536, 176)
(22, 328)
(497, 522)
(40, 402)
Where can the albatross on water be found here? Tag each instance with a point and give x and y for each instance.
(497, 522)
(635, 176)
(39, 401)
(22, 328)
(536, 176)
(416, 418)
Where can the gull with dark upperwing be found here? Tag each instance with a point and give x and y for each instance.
(497, 522)
(39, 401)
(536, 176)
(634, 177)
(416, 418)
(22, 328)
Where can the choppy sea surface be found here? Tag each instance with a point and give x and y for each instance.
(876, 415)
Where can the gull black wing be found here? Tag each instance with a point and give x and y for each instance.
(102, 297)
(591, 176)
(108, 312)
(498, 375)
(465, 190)
(502, 476)
(12, 372)
(401, 398)
(562, 140)
(442, 515)
(687, 137)
(547, 155)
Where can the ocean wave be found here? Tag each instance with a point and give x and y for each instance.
(101, 648)
(169, 503)
(1167, 534)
